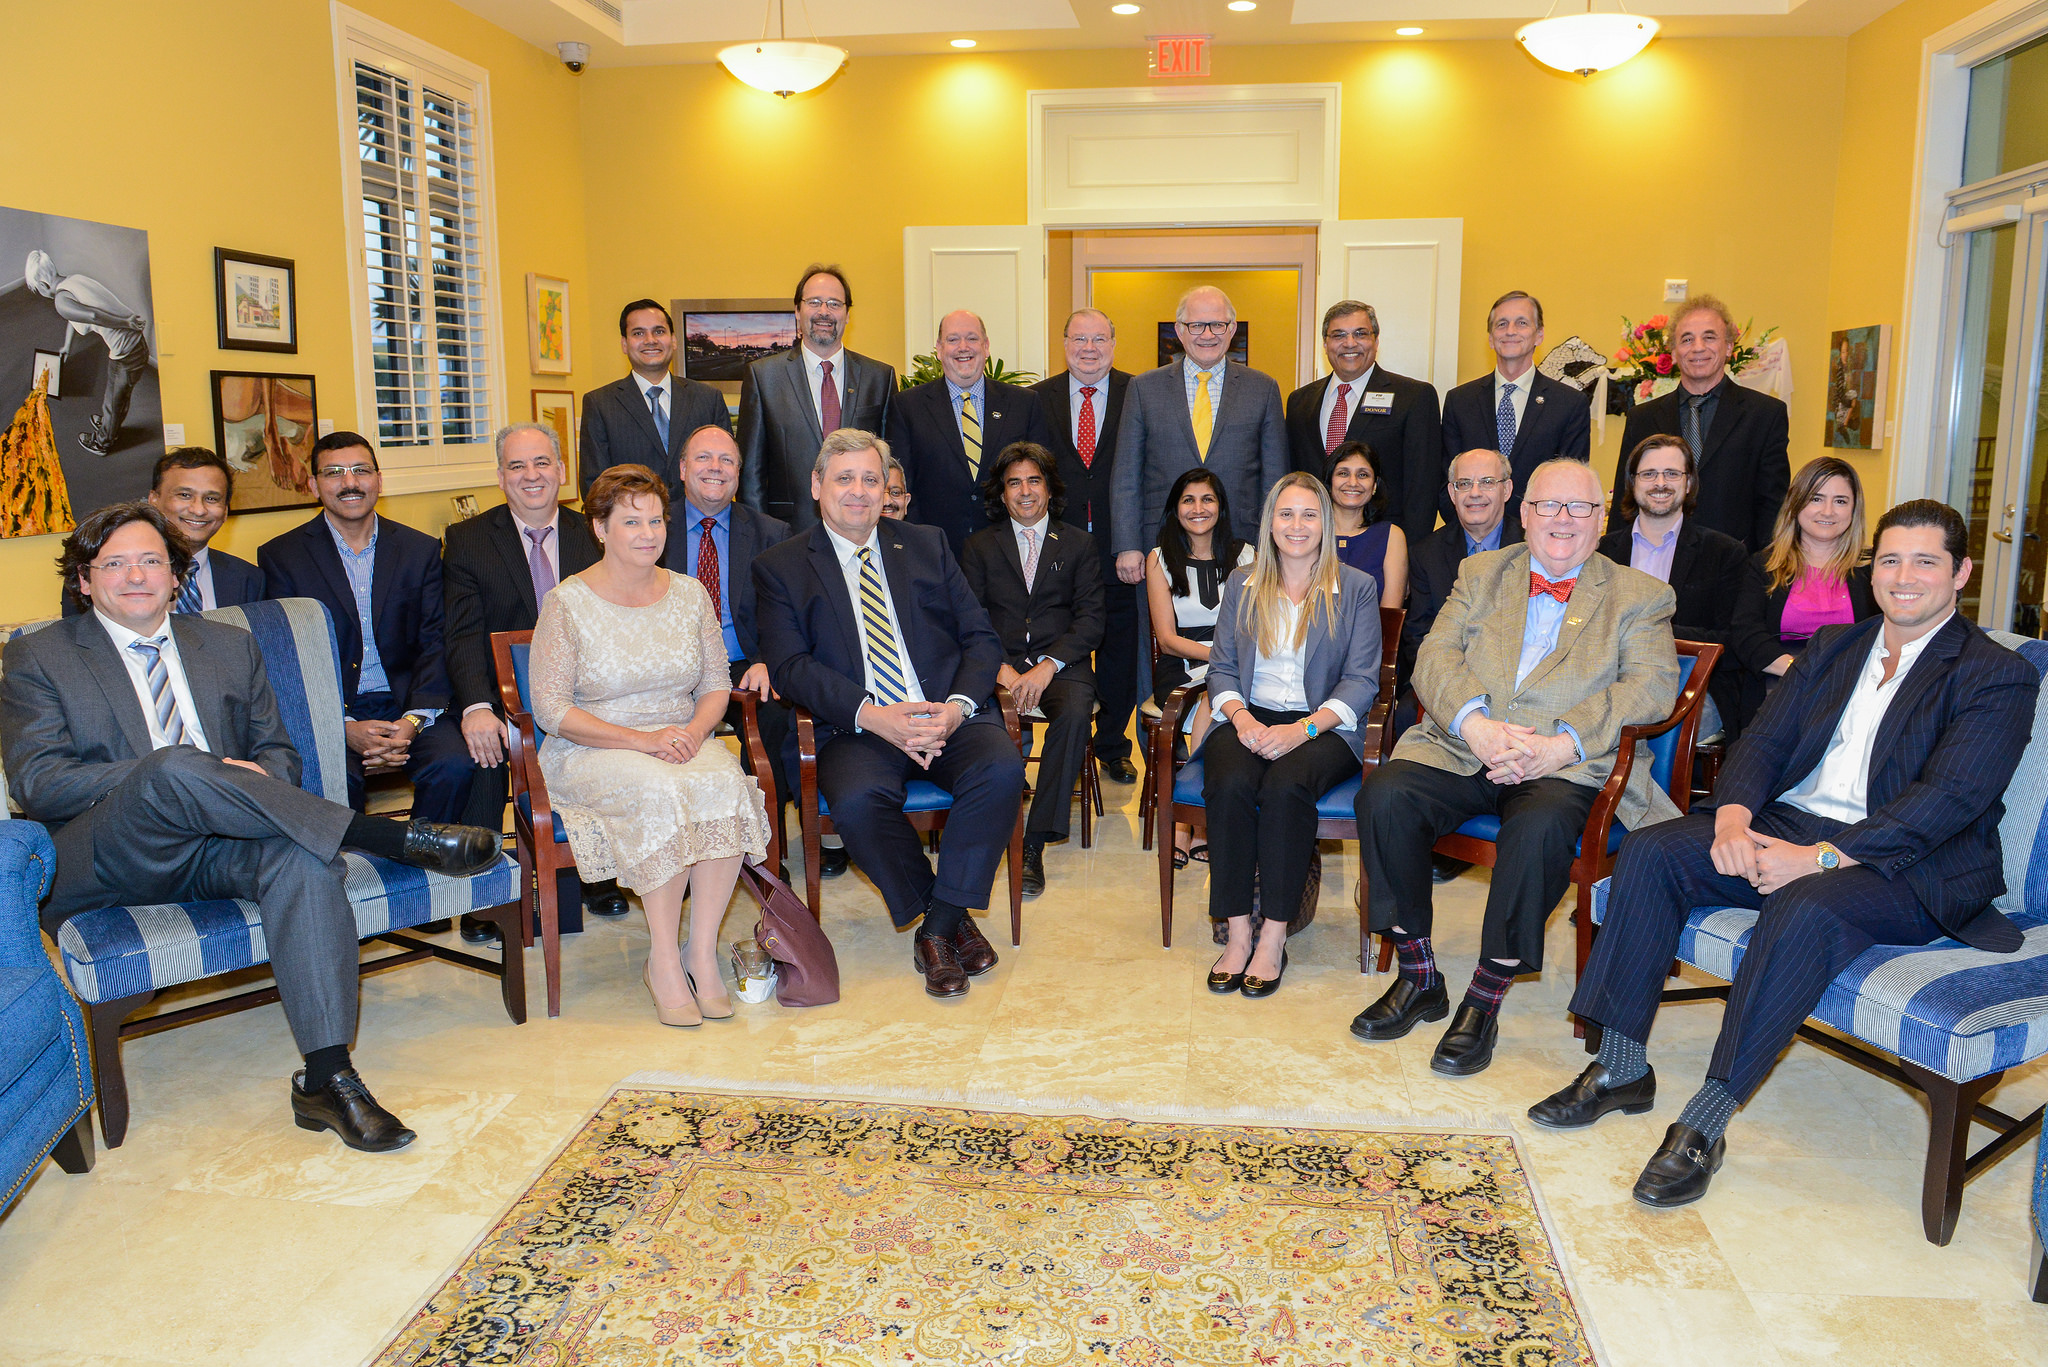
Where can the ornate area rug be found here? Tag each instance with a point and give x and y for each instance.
(682, 1227)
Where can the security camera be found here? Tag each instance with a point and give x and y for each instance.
(574, 55)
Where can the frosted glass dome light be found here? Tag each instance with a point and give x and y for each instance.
(1585, 43)
(782, 67)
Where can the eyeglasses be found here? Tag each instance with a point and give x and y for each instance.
(1660, 476)
(1485, 486)
(339, 471)
(1206, 329)
(1355, 335)
(818, 304)
(1550, 507)
(148, 564)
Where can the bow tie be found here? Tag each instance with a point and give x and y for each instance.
(1561, 590)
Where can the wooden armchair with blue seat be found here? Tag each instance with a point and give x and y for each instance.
(45, 1062)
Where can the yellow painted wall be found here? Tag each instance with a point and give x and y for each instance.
(1138, 301)
(215, 124)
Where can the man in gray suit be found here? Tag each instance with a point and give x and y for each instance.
(1200, 410)
(790, 400)
(643, 418)
(152, 747)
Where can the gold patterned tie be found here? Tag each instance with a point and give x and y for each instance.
(970, 435)
(881, 637)
(1203, 417)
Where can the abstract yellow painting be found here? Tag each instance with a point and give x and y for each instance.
(547, 324)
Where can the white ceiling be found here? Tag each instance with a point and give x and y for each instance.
(654, 32)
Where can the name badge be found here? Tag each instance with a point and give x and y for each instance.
(1377, 401)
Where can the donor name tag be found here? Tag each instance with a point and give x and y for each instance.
(1377, 401)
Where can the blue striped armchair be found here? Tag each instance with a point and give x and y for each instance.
(45, 1071)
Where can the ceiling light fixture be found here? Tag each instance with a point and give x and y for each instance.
(963, 42)
(1407, 31)
(1242, 6)
(779, 66)
(1585, 43)
(1123, 9)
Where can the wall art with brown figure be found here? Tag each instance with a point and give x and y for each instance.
(264, 426)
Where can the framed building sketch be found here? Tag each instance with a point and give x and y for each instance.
(264, 426)
(556, 408)
(1858, 360)
(547, 324)
(255, 302)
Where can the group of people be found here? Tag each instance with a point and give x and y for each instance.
(886, 559)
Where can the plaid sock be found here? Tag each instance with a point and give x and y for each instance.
(1710, 1110)
(1490, 984)
(1418, 961)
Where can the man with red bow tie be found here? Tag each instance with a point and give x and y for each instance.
(1542, 653)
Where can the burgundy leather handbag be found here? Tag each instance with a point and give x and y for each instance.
(806, 969)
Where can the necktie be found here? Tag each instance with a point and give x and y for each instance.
(883, 662)
(1540, 587)
(1337, 424)
(1030, 557)
(1690, 421)
(1504, 419)
(189, 597)
(1203, 417)
(828, 399)
(537, 561)
(1084, 436)
(970, 434)
(660, 416)
(162, 701)
(707, 565)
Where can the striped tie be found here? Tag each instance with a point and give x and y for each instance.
(970, 434)
(883, 661)
(162, 700)
(189, 597)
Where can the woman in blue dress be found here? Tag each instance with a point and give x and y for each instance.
(1366, 538)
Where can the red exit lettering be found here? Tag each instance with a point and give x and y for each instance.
(1181, 55)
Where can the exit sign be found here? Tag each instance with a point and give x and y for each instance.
(1185, 54)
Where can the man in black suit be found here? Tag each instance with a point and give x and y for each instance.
(1083, 405)
(791, 401)
(1659, 485)
(869, 624)
(1738, 435)
(1480, 487)
(947, 432)
(1361, 401)
(1517, 410)
(643, 418)
(381, 582)
(1041, 580)
(152, 747)
(495, 569)
(192, 487)
(1861, 808)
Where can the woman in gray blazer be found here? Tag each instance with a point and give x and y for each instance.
(1294, 670)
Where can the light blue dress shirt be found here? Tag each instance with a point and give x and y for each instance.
(721, 539)
(361, 569)
(980, 393)
(1489, 542)
(1540, 629)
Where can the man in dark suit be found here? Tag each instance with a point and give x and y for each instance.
(495, 569)
(790, 401)
(1861, 808)
(1517, 410)
(1359, 400)
(643, 418)
(869, 624)
(192, 487)
(947, 432)
(1175, 418)
(152, 747)
(1480, 487)
(1041, 581)
(1738, 435)
(381, 582)
(1083, 405)
(1705, 569)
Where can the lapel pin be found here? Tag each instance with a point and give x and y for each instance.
(1574, 621)
(993, 416)
(1539, 398)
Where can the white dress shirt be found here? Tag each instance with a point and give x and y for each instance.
(1523, 383)
(138, 674)
(1279, 682)
(848, 554)
(668, 395)
(1037, 530)
(1350, 401)
(814, 376)
(1839, 785)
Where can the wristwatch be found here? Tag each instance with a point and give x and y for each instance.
(1829, 857)
(1308, 724)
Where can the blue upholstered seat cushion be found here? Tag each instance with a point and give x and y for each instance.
(1339, 804)
(525, 804)
(1487, 827)
(920, 795)
(119, 951)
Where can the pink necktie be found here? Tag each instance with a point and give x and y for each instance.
(1336, 432)
(1030, 557)
(828, 399)
(537, 562)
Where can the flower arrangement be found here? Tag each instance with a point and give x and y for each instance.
(1645, 363)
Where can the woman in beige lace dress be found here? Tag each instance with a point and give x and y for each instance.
(629, 680)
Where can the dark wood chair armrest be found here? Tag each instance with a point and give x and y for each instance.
(757, 750)
(522, 757)
(1161, 760)
(1012, 721)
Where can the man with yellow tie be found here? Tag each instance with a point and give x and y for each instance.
(1199, 410)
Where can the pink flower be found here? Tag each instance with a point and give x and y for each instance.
(1621, 356)
(1642, 330)
(1663, 363)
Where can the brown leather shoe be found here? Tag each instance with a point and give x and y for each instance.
(939, 961)
(977, 955)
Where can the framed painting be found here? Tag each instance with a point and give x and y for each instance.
(255, 302)
(547, 324)
(722, 337)
(556, 408)
(1858, 360)
(264, 426)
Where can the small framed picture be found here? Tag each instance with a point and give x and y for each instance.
(547, 324)
(264, 426)
(256, 302)
(556, 408)
(48, 368)
(465, 506)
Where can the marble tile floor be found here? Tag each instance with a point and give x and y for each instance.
(219, 1233)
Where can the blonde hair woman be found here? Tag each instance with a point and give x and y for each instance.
(1294, 670)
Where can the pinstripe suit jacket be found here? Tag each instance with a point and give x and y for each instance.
(1614, 666)
(1949, 742)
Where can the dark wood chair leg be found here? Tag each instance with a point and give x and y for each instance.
(2040, 1279)
(74, 1151)
(512, 964)
(1147, 740)
(1017, 880)
(1582, 922)
(550, 935)
(1948, 1143)
(103, 1024)
(529, 878)
(1089, 797)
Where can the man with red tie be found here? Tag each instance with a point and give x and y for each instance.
(1542, 654)
(1362, 400)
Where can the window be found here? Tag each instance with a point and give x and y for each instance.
(419, 216)
(2008, 119)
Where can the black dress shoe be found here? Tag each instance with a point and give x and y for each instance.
(477, 932)
(605, 899)
(1467, 1047)
(1118, 770)
(1400, 1009)
(345, 1106)
(1443, 868)
(939, 960)
(457, 851)
(1034, 871)
(977, 955)
(1679, 1171)
(1591, 1096)
(1263, 987)
(831, 862)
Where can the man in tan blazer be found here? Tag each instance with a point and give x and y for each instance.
(1542, 653)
